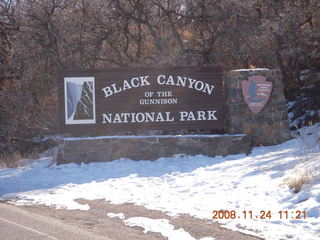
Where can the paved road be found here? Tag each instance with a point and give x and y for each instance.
(18, 224)
(40, 222)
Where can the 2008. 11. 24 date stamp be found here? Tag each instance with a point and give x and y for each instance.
(262, 214)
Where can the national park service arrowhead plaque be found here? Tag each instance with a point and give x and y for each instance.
(256, 91)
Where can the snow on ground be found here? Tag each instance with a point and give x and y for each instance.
(251, 69)
(297, 118)
(116, 215)
(195, 185)
(161, 226)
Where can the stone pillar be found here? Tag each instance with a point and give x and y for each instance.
(267, 127)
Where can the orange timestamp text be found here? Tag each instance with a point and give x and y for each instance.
(263, 214)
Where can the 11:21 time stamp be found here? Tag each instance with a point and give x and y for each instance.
(263, 214)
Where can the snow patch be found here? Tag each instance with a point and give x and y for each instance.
(150, 136)
(251, 69)
(194, 185)
(161, 226)
(116, 215)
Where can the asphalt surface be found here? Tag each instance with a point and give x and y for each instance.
(40, 222)
(17, 223)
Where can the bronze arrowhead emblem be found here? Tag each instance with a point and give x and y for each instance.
(256, 91)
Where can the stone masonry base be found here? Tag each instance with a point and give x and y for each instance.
(98, 149)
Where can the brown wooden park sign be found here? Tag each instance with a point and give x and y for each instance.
(96, 102)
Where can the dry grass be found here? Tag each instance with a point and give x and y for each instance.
(308, 167)
(16, 154)
(14, 160)
(297, 181)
